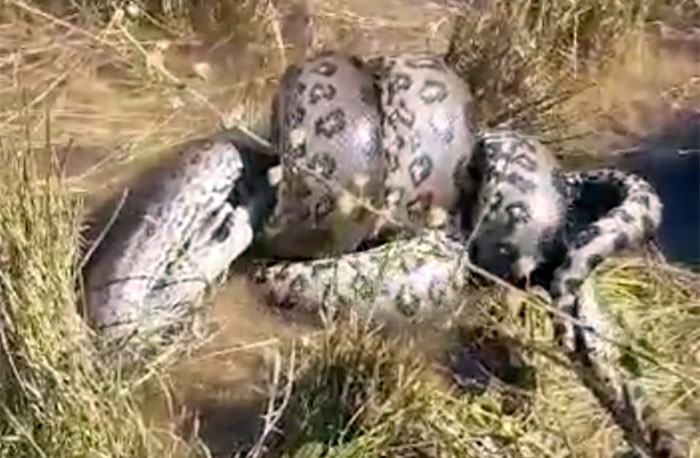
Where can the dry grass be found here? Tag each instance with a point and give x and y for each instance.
(535, 64)
(56, 398)
(525, 59)
(355, 393)
(122, 86)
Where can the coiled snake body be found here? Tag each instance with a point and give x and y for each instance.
(366, 150)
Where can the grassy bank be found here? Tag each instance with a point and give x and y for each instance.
(56, 399)
(121, 86)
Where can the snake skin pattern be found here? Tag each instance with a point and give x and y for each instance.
(173, 238)
(326, 126)
(400, 281)
(398, 135)
(632, 221)
(529, 222)
(515, 219)
(428, 134)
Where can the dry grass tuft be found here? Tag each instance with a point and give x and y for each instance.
(156, 89)
(355, 393)
(527, 60)
(55, 396)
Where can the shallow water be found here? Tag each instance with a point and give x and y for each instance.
(675, 174)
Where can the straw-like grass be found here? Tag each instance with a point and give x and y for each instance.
(55, 397)
(527, 60)
(355, 393)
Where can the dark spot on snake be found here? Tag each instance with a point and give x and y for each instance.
(300, 88)
(296, 289)
(224, 230)
(572, 285)
(403, 115)
(420, 169)
(368, 95)
(362, 286)
(433, 91)
(518, 213)
(299, 284)
(625, 216)
(493, 149)
(642, 199)
(496, 202)
(371, 148)
(258, 274)
(356, 62)
(648, 225)
(298, 151)
(324, 164)
(587, 236)
(400, 142)
(521, 145)
(295, 118)
(318, 268)
(331, 124)
(523, 185)
(418, 208)
(407, 304)
(491, 170)
(283, 273)
(392, 161)
(594, 261)
(321, 91)
(437, 293)
(398, 83)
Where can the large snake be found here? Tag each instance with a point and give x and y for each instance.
(369, 151)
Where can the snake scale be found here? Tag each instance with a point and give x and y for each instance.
(380, 189)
